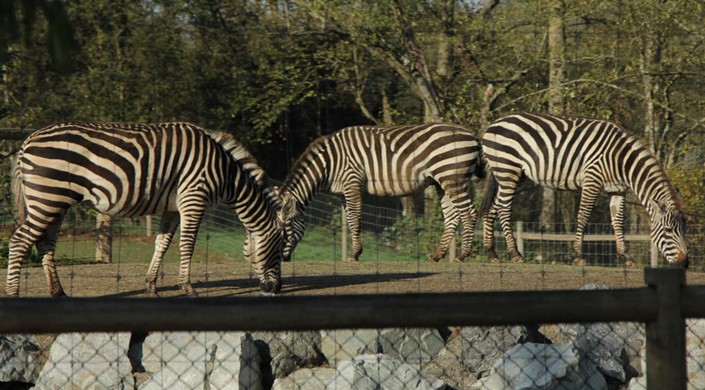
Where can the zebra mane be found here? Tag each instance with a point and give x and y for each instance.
(317, 145)
(248, 162)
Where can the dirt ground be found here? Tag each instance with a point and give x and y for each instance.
(235, 278)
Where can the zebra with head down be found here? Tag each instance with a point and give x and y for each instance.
(386, 161)
(589, 155)
(129, 170)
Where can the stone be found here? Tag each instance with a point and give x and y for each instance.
(19, 358)
(321, 378)
(87, 361)
(543, 367)
(379, 371)
(411, 345)
(344, 344)
(213, 360)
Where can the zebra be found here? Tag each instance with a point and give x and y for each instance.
(589, 155)
(129, 170)
(386, 161)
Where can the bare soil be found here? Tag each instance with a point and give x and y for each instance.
(235, 278)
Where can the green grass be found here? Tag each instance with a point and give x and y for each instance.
(318, 244)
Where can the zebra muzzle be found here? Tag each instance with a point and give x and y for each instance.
(270, 287)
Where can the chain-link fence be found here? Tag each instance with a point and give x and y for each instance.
(448, 354)
(353, 342)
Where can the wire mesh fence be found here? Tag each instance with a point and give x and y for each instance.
(606, 355)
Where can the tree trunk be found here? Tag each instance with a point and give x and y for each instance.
(104, 239)
(556, 78)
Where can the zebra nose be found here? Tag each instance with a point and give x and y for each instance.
(682, 259)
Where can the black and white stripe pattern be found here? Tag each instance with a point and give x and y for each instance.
(387, 161)
(574, 153)
(129, 170)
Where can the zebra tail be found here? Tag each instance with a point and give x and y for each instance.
(18, 194)
(491, 188)
(481, 166)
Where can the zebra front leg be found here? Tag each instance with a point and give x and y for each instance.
(617, 214)
(169, 224)
(588, 196)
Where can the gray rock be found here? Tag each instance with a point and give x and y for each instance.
(543, 367)
(285, 352)
(88, 361)
(321, 378)
(411, 345)
(612, 347)
(19, 358)
(198, 360)
(344, 344)
(481, 346)
(373, 372)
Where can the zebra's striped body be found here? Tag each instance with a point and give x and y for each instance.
(129, 170)
(575, 153)
(386, 161)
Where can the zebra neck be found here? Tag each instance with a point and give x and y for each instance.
(652, 184)
(304, 190)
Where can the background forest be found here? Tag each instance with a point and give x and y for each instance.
(279, 73)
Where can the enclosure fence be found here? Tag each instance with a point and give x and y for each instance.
(662, 306)
(414, 325)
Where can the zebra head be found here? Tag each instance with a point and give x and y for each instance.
(668, 232)
(292, 218)
(264, 252)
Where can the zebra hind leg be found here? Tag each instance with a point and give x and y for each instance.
(47, 247)
(451, 219)
(170, 222)
(488, 235)
(21, 244)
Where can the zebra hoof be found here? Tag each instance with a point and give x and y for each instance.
(59, 294)
(579, 261)
(270, 288)
(518, 260)
(351, 260)
(630, 263)
(433, 258)
(493, 260)
(188, 290)
(457, 260)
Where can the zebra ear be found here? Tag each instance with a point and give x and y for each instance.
(288, 207)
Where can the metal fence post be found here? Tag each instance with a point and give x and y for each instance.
(665, 337)
(343, 234)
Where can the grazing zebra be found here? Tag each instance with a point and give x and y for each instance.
(129, 170)
(574, 153)
(386, 161)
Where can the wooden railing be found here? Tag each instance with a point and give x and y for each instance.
(663, 305)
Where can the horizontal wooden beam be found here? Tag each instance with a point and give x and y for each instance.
(40, 315)
(587, 237)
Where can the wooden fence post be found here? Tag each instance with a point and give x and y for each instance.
(665, 337)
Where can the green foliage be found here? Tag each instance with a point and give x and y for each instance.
(279, 74)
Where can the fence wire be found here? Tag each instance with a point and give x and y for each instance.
(563, 356)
